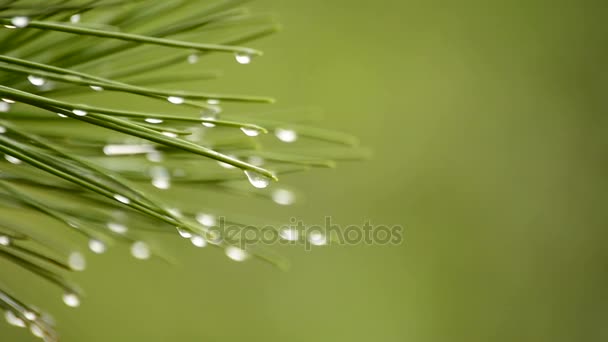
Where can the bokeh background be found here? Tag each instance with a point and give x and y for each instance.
(488, 125)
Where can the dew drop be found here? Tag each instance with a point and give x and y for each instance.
(75, 19)
(170, 134)
(153, 120)
(198, 241)
(213, 101)
(79, 112)
(250, 132)
(283, 197)
(2, 129)
(29, 315)
(289, 234)
(317, 239)
(193, 58)
(122, 199)
(4, 240)
(77, 262)
(13, 320)
(96, 88)
(117, 227)
(184, 233)
(35, 80)
(257, 180)
(20, 21)
(236, 253)
(62, 115)
(209, 116)
(97, 246)
(70, 299)
(175, 99)
(12, 159)
(160, 177)
(4, 107)
(140, 250)
(7, 100)
(36, 331)
(206, 220)
(242, 58)
(286, 135)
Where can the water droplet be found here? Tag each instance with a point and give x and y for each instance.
(75, 19)
(62, 115)
(71, 299)
(250, 132)
(175, 212)
(12, 159)
(7, 100)
(256, 179)
(256, 160)
(242, 58)
(97, 246)
(226, 165)
(77, 262)
(117, 227)
(29, 315)
(317, 239)
(4, 107)
(160, 177)
(35, 80)
(79, 112)
(286, 135)
(236, 253)
(20, 21)
(2, 129)
(213, 101)
(206, 220)
(13, 320)
(4, 240)
(175, 99)
(154, 120)
(289, 234)
(198, 241)
(122, 199)
(193, 58)
(170, 134)
(140, 250)
(283, 197)
(36, 331)
(184, 233)
(96, 88)
(155, 156)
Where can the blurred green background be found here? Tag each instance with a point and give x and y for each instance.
(489, 129)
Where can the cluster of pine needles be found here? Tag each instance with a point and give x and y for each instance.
(61, 154)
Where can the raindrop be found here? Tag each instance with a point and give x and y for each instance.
(198, 241)
(117, 227)
(160, 177)
(35, 80)
(36, 331)
(97, 246)
(242, 58)
(20, 21)
(4, 240)
(207, 220)
(256, 179)
(13, 320)
(184, 233)
(250, 132)
(317, 239)
(72, 300)
(140, 250)
(4, 107)
(96, 88)
(283, 197)
(213, 101)
(8, 100)
(153, 120)
(12, 159)
(75, 19)
(289, 234)
(79, 112)
(193, 58)
(170, 134)
(286, 135)
(62, 115)
(29, 315)
(122, 199)
(175, 99)
(236, 253)
(77, 261)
